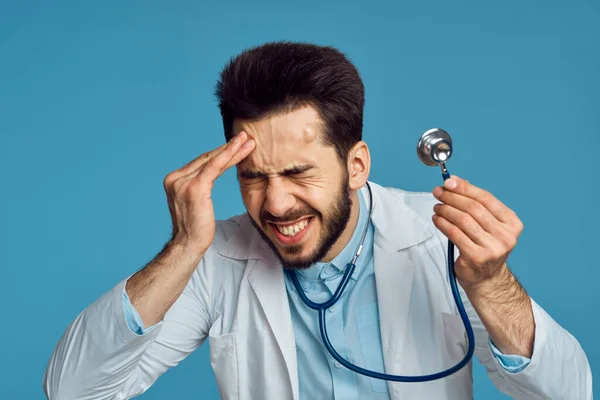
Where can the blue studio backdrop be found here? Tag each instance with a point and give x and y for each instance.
(100, 100)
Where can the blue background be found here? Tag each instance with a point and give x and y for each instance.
(98, 102)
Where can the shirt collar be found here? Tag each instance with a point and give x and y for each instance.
(317, 271)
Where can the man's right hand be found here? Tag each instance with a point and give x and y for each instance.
(189, 191)
(155, 288)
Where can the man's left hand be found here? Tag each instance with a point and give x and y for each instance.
(484, 230)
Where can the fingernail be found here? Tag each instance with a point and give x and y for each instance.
(450, 183)
(249, 143)
(437, 191)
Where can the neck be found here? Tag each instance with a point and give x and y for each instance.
(348, 231)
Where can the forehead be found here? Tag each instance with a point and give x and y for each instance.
(284, 140)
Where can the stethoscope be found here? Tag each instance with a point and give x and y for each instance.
(434, 148)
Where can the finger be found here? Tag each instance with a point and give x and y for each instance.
(227, 158)
(202, 159)
(472, 207)
(458, 185)
(244, 151)
(195, 164)
(465, 223)
(465, 245)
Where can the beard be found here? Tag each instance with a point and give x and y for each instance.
(334, 224)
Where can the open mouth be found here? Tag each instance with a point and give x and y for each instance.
(291, 233)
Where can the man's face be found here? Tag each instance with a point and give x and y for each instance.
(295, 188)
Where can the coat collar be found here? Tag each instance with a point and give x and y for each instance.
(397, 227)
(246, 243)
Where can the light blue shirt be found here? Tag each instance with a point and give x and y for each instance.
(352, 325)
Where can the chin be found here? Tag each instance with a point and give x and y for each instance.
(299, 262)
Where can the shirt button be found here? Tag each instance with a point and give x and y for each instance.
(332, 309)
(329, 270)
(338, 365)
(306, 285)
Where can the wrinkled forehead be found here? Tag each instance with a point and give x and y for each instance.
(284, 140)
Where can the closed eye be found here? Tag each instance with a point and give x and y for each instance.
(295, 172)
(252, 175)
(251, 178)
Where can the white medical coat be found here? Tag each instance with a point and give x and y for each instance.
(237, 299)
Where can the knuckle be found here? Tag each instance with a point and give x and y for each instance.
(191, 189)
(511, 242)
(213, 164)
(492, 253)
(499, 254)
(196, 183)
(518, 224)
(176, 186)
(472, 208)
(439, 209)
(464, 219)
(454, 230)
(509, 238)
(201, 184)
(168, 180)
(209, 163)
(443, 195)
(479, 259)
(503, 239)
(486, 196)
(476, 210)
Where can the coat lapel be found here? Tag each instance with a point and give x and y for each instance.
(394, 276)
(265, 275)
(267, 281)
(397, 228)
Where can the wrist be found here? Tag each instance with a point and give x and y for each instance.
(505, 310)
(184, 248)
(499, 281)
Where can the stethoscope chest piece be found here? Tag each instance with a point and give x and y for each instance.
(434, 147)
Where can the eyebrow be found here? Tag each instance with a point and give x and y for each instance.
(295, 170)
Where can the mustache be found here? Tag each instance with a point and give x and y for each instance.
(289, 216)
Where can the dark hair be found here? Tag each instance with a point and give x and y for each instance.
(279, 77)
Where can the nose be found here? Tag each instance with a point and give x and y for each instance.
(278, 200)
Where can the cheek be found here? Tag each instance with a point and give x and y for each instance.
(253, 200)
(319, 200)
(326, 197)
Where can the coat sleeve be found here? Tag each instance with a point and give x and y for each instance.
(558, 368)
(99, 357)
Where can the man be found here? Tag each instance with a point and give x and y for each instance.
(292, 115)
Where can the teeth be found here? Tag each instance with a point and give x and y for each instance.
(291, 230)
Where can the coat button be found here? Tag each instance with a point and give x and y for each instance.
(338, 365)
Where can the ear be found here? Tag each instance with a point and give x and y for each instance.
(359, 165)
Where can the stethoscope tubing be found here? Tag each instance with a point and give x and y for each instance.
(349, 270)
